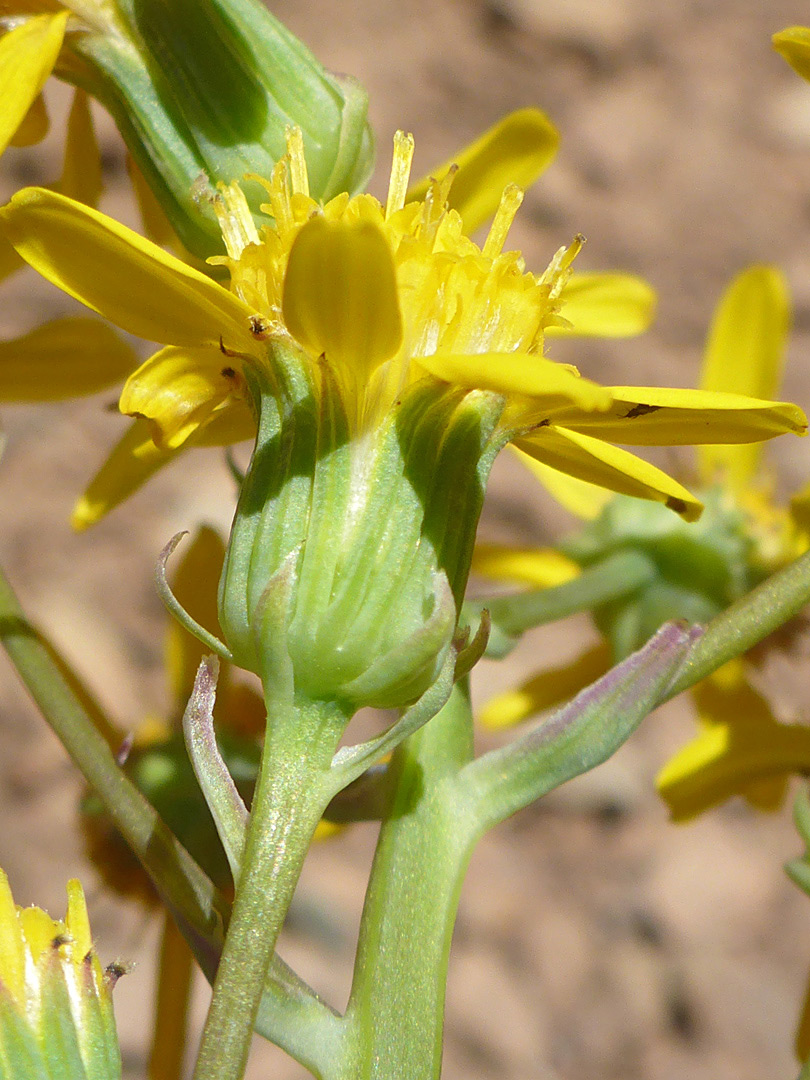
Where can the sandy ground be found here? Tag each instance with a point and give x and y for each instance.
(594, 938)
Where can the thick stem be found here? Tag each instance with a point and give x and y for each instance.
(395, 1016)
(291, 794)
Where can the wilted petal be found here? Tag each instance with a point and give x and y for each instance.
(177, 390)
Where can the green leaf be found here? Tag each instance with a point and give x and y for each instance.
(579, 736)
(224, 801)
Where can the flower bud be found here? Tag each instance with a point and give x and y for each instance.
(207, 88)
(56, 1016)
(701, 567)
(350, 549)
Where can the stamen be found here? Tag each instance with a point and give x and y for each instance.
(235, 219)
(280, 196)
(559, 269)
(298, 163)
(443, 188)
(400, 173)
(502, 222)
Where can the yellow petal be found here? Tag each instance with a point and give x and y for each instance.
(605, 305)
(155, 223)
(517, 150)
(135, 459)
(540, 567)
(10, 261)
(546, 690)
(39, 930)
(794, 45)
(745, 354)
(738, 748)
(195, 586)
(77, 921)
(12, 948)
(130, 464)
(63, 359)
(233, 423)
(33, 126)
(340, 294)
(583, 500)
(655, 416)
(81, 171)
(609, 466)
(27, 56)
(550, 385)
(177, 390)
(121, 275)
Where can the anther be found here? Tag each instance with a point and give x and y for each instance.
(502, 222)
(298, 163)
(400, 173)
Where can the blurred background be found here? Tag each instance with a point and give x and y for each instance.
(594, 938)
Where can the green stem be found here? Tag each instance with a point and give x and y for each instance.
(178, 878)
(615, 577)
(395, 1016)
(290, 797)
(290, 1012)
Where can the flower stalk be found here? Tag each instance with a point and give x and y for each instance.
(291, 795)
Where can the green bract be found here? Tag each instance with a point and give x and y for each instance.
(206, 89)
(696, 570)
(349, 553)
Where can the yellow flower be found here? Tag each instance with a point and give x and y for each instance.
(386, 296)
(56, 1018)
(64, 357)
(741, 747)
(52, 362)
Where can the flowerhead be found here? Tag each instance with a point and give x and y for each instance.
(55, 999)
(351, 331)
(695, 571)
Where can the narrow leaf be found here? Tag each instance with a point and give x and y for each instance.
(224, 801)
(579, 736)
